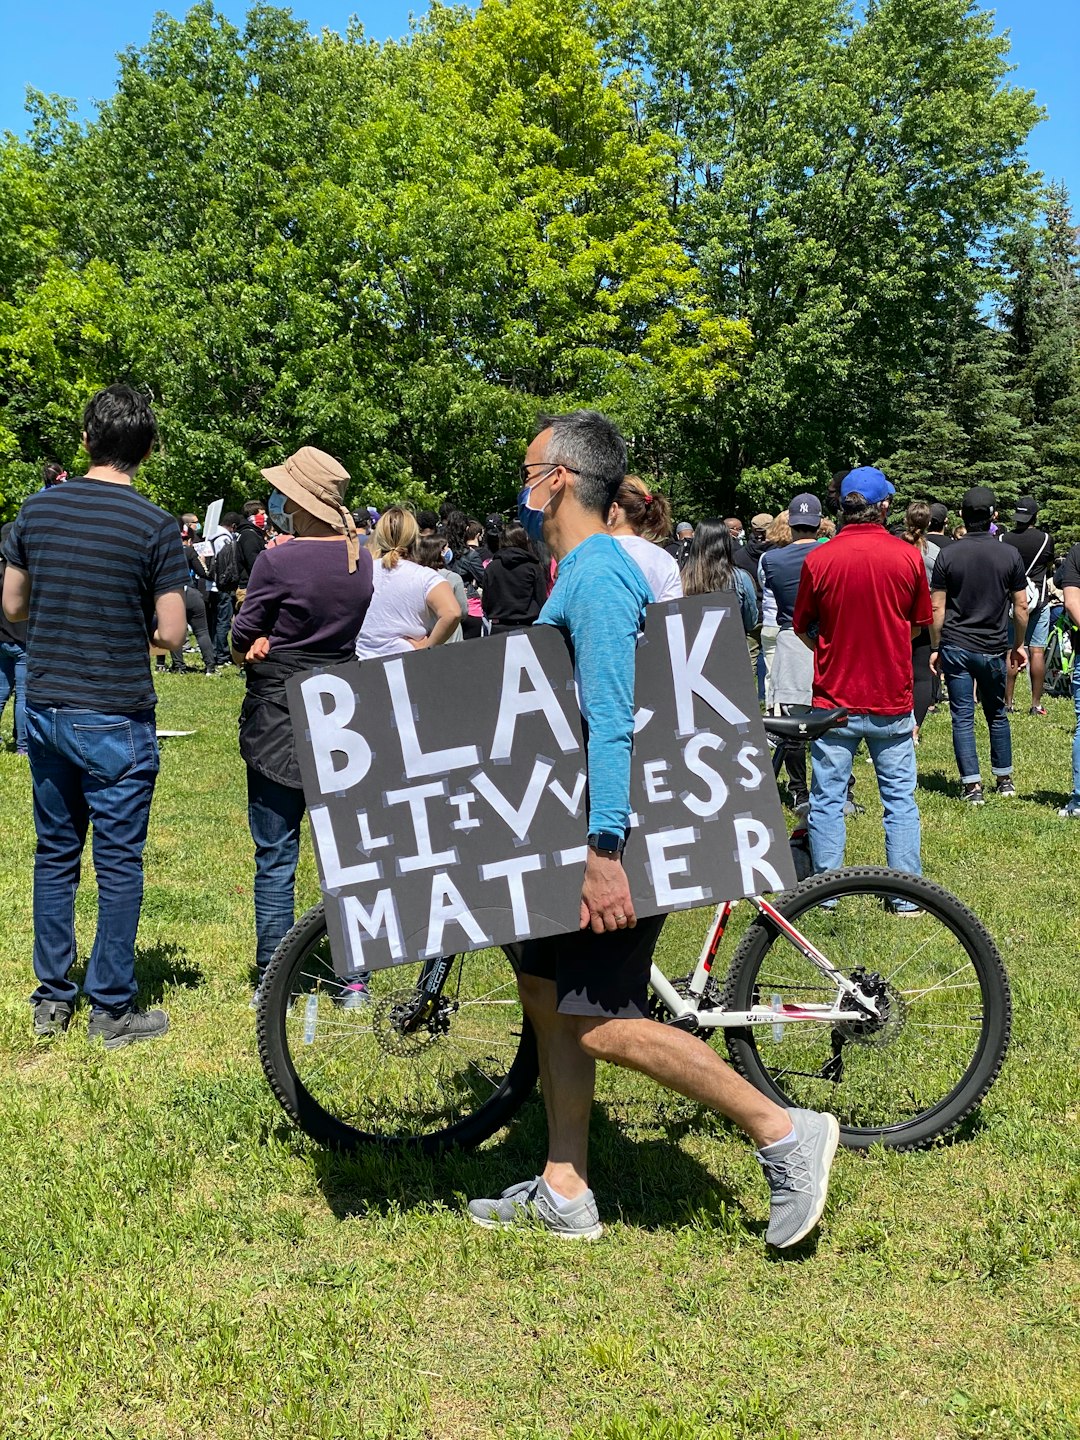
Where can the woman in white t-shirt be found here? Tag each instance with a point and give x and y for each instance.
(407, 596)
(640, 519)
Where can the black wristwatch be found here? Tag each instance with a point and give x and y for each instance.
(607, 843)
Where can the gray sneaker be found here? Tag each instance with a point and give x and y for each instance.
(799, 1177)
(531, 1202)
(51, 1017)
(119, 1030)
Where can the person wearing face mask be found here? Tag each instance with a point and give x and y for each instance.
(586, 993)
(305, 602)
(250, 543)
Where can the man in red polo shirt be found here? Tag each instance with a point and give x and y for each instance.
(861, 599)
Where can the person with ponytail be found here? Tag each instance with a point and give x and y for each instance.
(640, 519)
(407, 595)
(916, 524)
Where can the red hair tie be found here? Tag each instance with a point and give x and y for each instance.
(647, 497)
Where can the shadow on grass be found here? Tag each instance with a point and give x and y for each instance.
(938, 783)
(162, 967)
(1057, 798)
(650, 1183)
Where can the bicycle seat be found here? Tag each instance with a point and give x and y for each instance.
(804, 727)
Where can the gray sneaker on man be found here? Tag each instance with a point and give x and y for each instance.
(799, 1177)
(119, 1030)
(51, 1017)
(533, 1203)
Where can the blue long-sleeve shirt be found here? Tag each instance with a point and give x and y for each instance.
(599, 600)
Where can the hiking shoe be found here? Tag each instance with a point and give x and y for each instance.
(1071, 811)
(1005, 787)
(353, 996)
(973, 795)
(1037, 710)
(532, 1203)
(51, 1017)
(799, 1177)
(134, 1024)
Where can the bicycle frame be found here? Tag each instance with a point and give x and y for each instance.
(717, 1018)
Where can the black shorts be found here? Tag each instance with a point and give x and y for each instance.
(603, 975)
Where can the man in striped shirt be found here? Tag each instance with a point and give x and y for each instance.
(98, 574)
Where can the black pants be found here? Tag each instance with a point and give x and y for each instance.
(924, 678)
(195, 606)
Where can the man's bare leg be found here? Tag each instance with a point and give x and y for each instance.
(684, 1063)
(567, 1080)
(1037, 667)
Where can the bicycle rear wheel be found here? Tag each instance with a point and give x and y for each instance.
(377, 1074)
(914, 1075)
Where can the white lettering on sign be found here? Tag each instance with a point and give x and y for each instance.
(448, 907)
(513, 872)
(520, 659)
(461, 802)
(518, 817)
(330, 733)
(572, 801)
(416, 797)
(576, 856)
(656, 787)
(745, 761)
(753, 840)
(381, 920)
(686, 675)
(417, 762)
(369, 842)
(718, 790)
(335, 874)
(662, 867)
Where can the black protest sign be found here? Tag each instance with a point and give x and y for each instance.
(447, 788)
(446, 795)
(707, 823)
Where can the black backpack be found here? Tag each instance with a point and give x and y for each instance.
(225, 570)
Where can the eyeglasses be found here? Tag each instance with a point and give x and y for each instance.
(523, 470)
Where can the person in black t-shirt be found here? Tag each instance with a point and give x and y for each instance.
(1070, 585)
(935, 531)
(1037, 552)
(90, 706)
(972, 586)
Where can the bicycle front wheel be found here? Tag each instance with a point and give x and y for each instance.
(913, 1075)
(403, 1068)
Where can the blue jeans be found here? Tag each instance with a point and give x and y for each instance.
(275, 813)
(223, 617)
(13, 678)
(88, 767)
(889, 740)
(963, 671)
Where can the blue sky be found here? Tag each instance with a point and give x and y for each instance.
(69, 47)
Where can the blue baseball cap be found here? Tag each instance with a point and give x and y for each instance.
(867, 482)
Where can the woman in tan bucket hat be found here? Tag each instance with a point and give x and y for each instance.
(304, 606)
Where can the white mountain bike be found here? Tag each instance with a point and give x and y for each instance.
(867, 992)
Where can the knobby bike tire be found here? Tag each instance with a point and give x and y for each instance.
(949, 1110)
(314, 1115)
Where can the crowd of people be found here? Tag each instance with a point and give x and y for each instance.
(843, 606)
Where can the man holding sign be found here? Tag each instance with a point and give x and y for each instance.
(586, 995)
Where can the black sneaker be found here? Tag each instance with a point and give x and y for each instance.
(52, 1017)
(135, 1024)
(801, 803)
(973, 795)
(1005, 787)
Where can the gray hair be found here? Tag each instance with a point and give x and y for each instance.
(589, 444)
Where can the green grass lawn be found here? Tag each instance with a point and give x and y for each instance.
(178, 1262)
